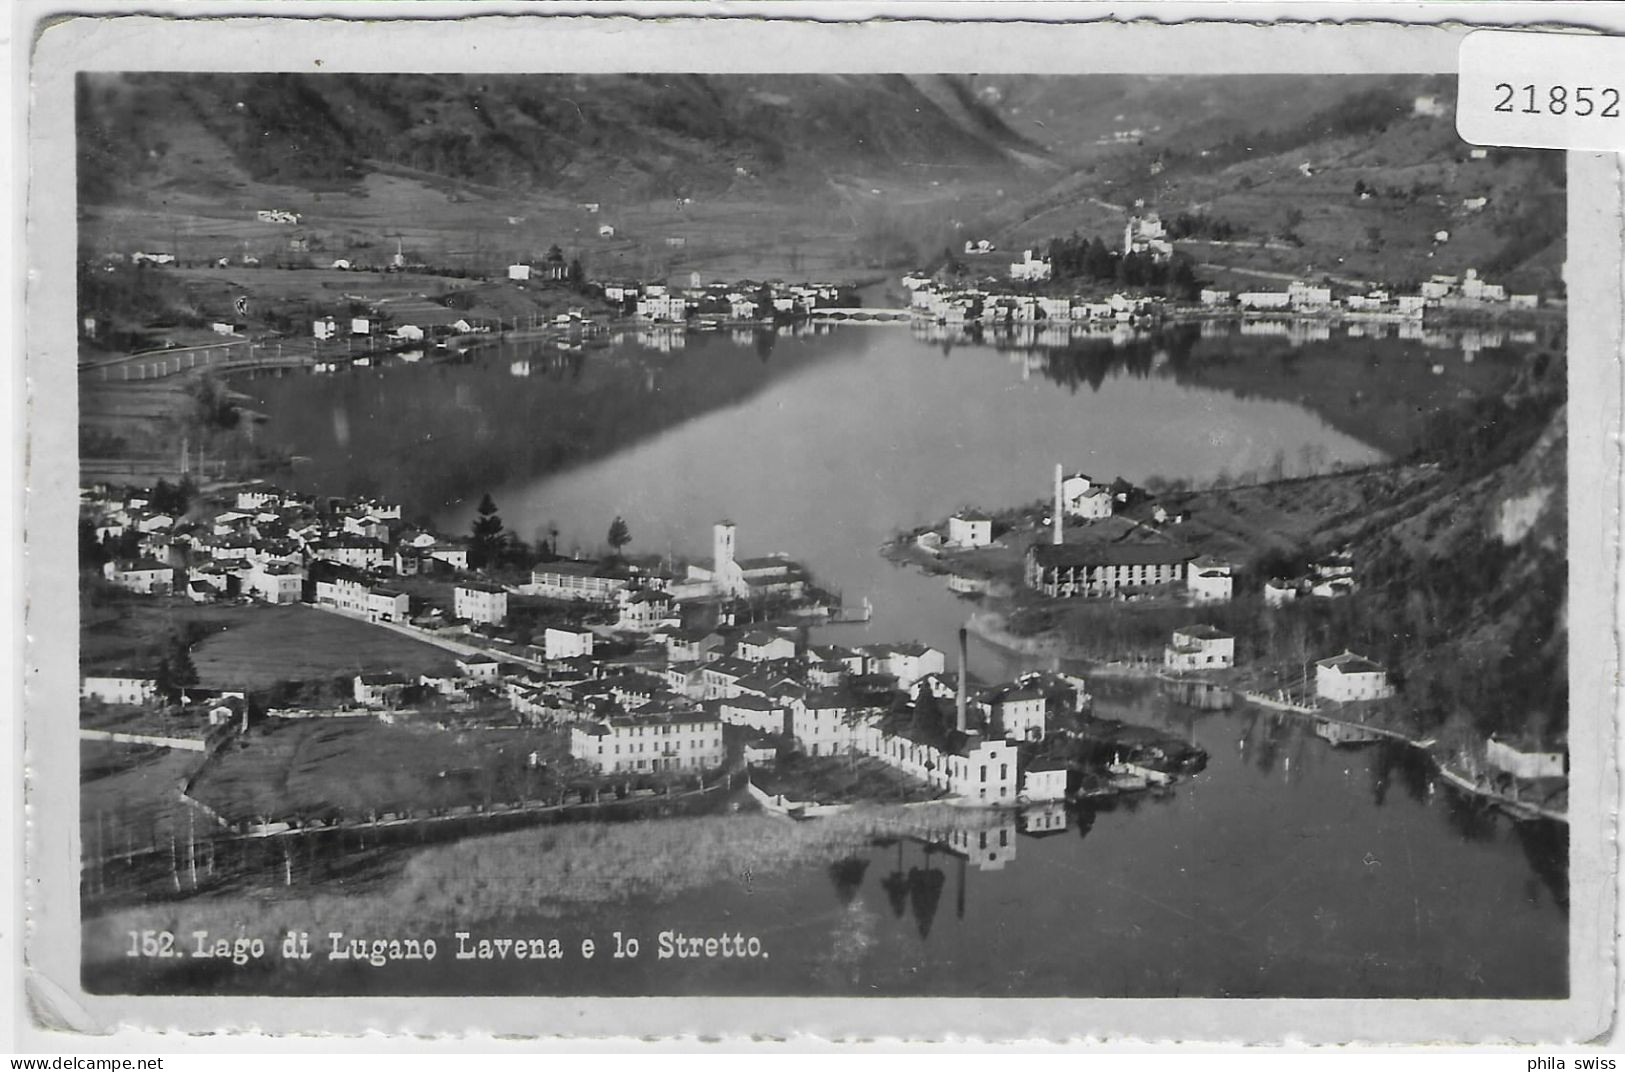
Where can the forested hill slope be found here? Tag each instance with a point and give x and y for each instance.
(1464, 576)
(633, 135)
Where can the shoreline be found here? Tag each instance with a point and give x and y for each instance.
(984, 623)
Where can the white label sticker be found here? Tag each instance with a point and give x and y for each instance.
(1542, 90)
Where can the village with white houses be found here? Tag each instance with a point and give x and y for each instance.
(1111, 541)
(947, 297)
(616, 664)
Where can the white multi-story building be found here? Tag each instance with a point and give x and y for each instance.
(119, 689)
(970, 529)
(1209, 580)
(1015, 712)
(908, 663)
(1349, 677)
(356, 596)
(475, 601)
(674, 741)
(275, 582)
(977, 769)
(823, 723)
(565, 643)
(670, 309)
(1199, 647)
(1069, 570)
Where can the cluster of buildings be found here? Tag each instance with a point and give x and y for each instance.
(737, 302)
(1118, 569)
(649, 598)
(966, 304)
(717, 695)
(1465, 292)
(269, 545)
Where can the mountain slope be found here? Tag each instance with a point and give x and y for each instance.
(647, 135)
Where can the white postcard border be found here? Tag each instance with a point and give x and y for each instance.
(1595, 284)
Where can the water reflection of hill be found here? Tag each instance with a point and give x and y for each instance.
(1380, 390)
(431, 435)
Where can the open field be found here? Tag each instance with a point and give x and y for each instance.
(122, 630)
(247, 646)
(271, 644)
(356, 767)
(129, 796)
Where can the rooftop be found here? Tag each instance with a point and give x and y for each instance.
(1203, 632)
(1350, 663)
(1082, 554)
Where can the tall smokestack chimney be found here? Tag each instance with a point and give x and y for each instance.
(959, 698)
(1059, 509)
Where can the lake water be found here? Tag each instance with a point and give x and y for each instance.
(1287, 868)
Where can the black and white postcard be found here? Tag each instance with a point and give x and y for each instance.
(728, 514)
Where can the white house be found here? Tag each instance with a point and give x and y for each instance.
(674, 309)
(1045, 779)
(1209, 580)
(275, 582)
(1030, 268)
(407, 333)
(1016, 712)
(908, 663)
(1263, 299)
(822, 724)
(519, 273)
(1348, 677)
(644, 609)
(147, 576)
(1305, 296)
(606, 231)
(970, 529)
(349, 549)
(1521, 763)
(1278, 591)
(478, 666)
(325, 328)
(380, 689)
(566, 643)
(119, 690)
(1083, 498)
(762, 713)
(478, 602)
(761, 646)
(1199, 647)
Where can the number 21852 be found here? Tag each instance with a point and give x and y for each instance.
(1602, 102)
